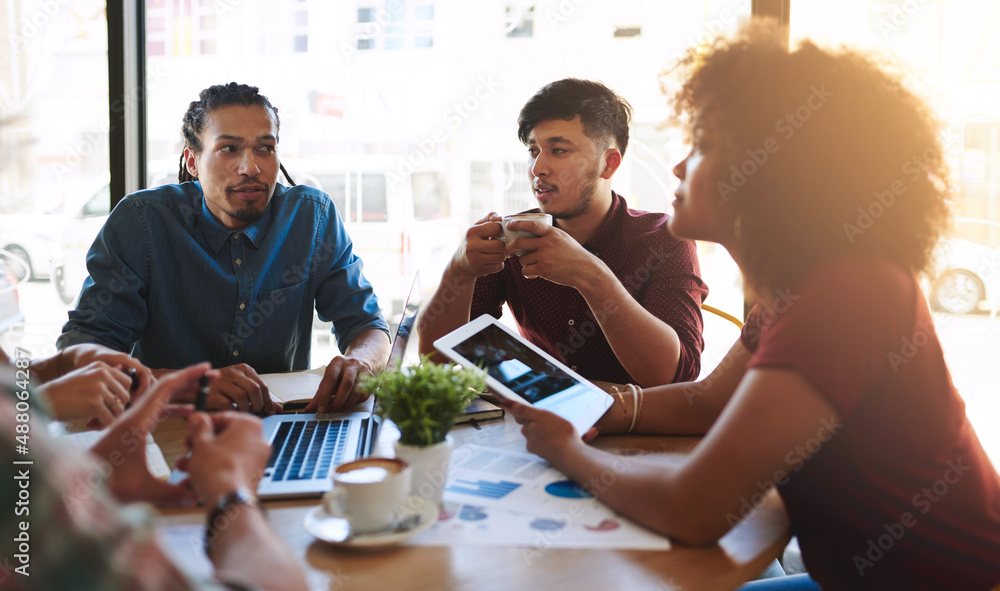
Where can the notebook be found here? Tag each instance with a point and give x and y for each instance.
(306, 447)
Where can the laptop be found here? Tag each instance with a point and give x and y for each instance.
(305, 448)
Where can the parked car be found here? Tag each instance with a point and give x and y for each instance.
(32, 241)
(10, 307)
(967, 277)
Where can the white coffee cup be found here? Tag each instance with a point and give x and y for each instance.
(369, 493)
(510, 235)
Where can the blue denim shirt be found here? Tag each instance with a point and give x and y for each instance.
(170, 284)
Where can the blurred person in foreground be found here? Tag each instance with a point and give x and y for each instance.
(85, 384)
(824, 177)
(74, 532)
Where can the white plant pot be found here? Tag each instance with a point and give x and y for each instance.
(429, 466)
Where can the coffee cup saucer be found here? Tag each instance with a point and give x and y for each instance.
(417, 511)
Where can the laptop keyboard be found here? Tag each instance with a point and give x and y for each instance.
(304, 450)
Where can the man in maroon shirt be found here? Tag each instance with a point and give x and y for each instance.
(607, 290)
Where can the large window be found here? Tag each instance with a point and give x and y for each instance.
(405, 110)
(950, 52)
(54, 134)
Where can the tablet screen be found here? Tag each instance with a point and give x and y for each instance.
(518, 367)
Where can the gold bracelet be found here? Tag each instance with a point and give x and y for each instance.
(621, 399)
(635, 407)
(639, 411)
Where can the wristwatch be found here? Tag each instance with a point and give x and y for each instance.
(226, 510)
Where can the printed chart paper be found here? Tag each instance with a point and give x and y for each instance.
(496, 497)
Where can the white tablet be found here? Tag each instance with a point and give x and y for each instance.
(517, 369)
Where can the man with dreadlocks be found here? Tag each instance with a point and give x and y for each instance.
(227, 265)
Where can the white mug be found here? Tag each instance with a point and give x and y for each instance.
(369, 493)
(510, 235)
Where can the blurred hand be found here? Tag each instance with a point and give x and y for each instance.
(227, 451)
(123, 447)
(94, 394)
(236, 387)
(78, 356)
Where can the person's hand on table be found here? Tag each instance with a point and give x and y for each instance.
(123, 447)
(339, 387)
(78, 356)
(94, 394)
(548, 435)
(228, 451)
(236, 387)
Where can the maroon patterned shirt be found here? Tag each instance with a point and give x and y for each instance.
(658, 269)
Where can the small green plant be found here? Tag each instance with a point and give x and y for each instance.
(424, 400)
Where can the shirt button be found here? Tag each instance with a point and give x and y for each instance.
(571, 322)
(573, 367)
(236, 353)
(239, 262)
(236, 236)
(242, 306)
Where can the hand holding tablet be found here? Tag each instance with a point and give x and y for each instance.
(519, 370)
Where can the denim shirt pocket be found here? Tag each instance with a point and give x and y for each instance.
(287, 314)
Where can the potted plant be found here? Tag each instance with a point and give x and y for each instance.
(423, 401)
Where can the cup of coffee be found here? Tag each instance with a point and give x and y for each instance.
(369, 493)
(509, 235)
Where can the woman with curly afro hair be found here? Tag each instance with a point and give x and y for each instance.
(824, 177)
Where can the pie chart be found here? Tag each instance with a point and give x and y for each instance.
(566, 489)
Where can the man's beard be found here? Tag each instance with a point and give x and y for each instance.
(247, 214)
(586, 198)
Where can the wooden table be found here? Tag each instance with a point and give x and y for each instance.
(738, 557)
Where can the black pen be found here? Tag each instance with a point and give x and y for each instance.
(132, 373)
(202, 397)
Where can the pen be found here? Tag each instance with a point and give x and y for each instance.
(202, 396)
(132, 373)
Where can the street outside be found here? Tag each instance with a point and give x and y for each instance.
(971, 343)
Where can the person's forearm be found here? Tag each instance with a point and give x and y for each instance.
(647, 347)
(371, 348)
(449, 308)
(689, 408)
(49, 368)
(248, 551)
(640, 489)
